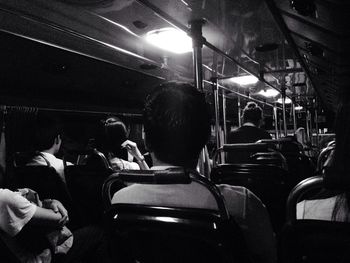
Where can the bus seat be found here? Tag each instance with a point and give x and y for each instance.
(307, 240)
(241, 152)
(270, 183)
(169, 234)
(323, 156)
(84, 182)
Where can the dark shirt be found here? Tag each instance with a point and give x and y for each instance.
(244, 134)
(247, 134)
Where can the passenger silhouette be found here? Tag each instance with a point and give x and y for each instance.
(177, 127)
(336, 207)
(48, 139)
(117, 146)
(250, 131)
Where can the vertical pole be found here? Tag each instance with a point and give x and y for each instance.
(283, 92)
(294, 118)
(308, 125)
(275, 117)
(239, 111)
(217, 109)
(224, 114)
(197, 43)
(316, 124)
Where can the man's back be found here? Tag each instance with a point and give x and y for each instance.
(243, 205)
(244, 134)
(247, 134)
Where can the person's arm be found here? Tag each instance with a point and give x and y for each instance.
(51, 214)
(135, 152)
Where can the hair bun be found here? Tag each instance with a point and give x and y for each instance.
(251, 105)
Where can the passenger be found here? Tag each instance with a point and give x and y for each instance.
(337, 207)
(177, 127)
(48, 140)
(18, 209)
(118, 148)
(250, 131)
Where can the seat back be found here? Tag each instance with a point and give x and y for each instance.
(269, 182)
(307, 240)
(240, 152)
(170, 234)
(85, 181)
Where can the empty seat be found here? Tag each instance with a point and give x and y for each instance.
(143, 233)
(307, 240)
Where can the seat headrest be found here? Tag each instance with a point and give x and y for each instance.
(245, 146)
(169, 176)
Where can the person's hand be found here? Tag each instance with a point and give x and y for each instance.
(133, 150)
(57, 207)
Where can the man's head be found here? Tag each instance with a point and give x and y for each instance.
(48, 134)
(252, 113)
(177, 123)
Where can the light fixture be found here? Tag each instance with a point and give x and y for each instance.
(298, 107)
(269, 93)
(245, 80)
(288, 101)
(170, 39)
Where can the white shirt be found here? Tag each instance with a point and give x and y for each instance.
(248, 211)
(53, 160)
(320, 209)
(15, 212)
(120, 164)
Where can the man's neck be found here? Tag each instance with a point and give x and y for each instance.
(159, 163)
(50, 151)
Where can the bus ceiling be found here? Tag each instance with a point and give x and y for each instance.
(253, 49)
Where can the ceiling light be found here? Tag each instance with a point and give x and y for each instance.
(170, 39)
(298, 107)
(288, 101)
(245, 80)
(269, 93)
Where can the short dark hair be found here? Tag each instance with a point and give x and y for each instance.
(115, 133)
(252, 113)
(47, 130)
(177, 123)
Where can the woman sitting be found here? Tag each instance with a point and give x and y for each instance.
(119, 150)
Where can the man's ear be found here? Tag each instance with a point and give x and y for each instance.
(58, 139)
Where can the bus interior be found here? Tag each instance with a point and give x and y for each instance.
(81, 61)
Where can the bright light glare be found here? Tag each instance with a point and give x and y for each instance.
(298, 107)
(288, 101)
(245, 80)
(170, 39)
(269, 93)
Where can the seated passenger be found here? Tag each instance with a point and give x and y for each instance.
(177, 127)
(48, 142)
(250, 131)
(18, 209)
(118, 148)
(336, 207)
